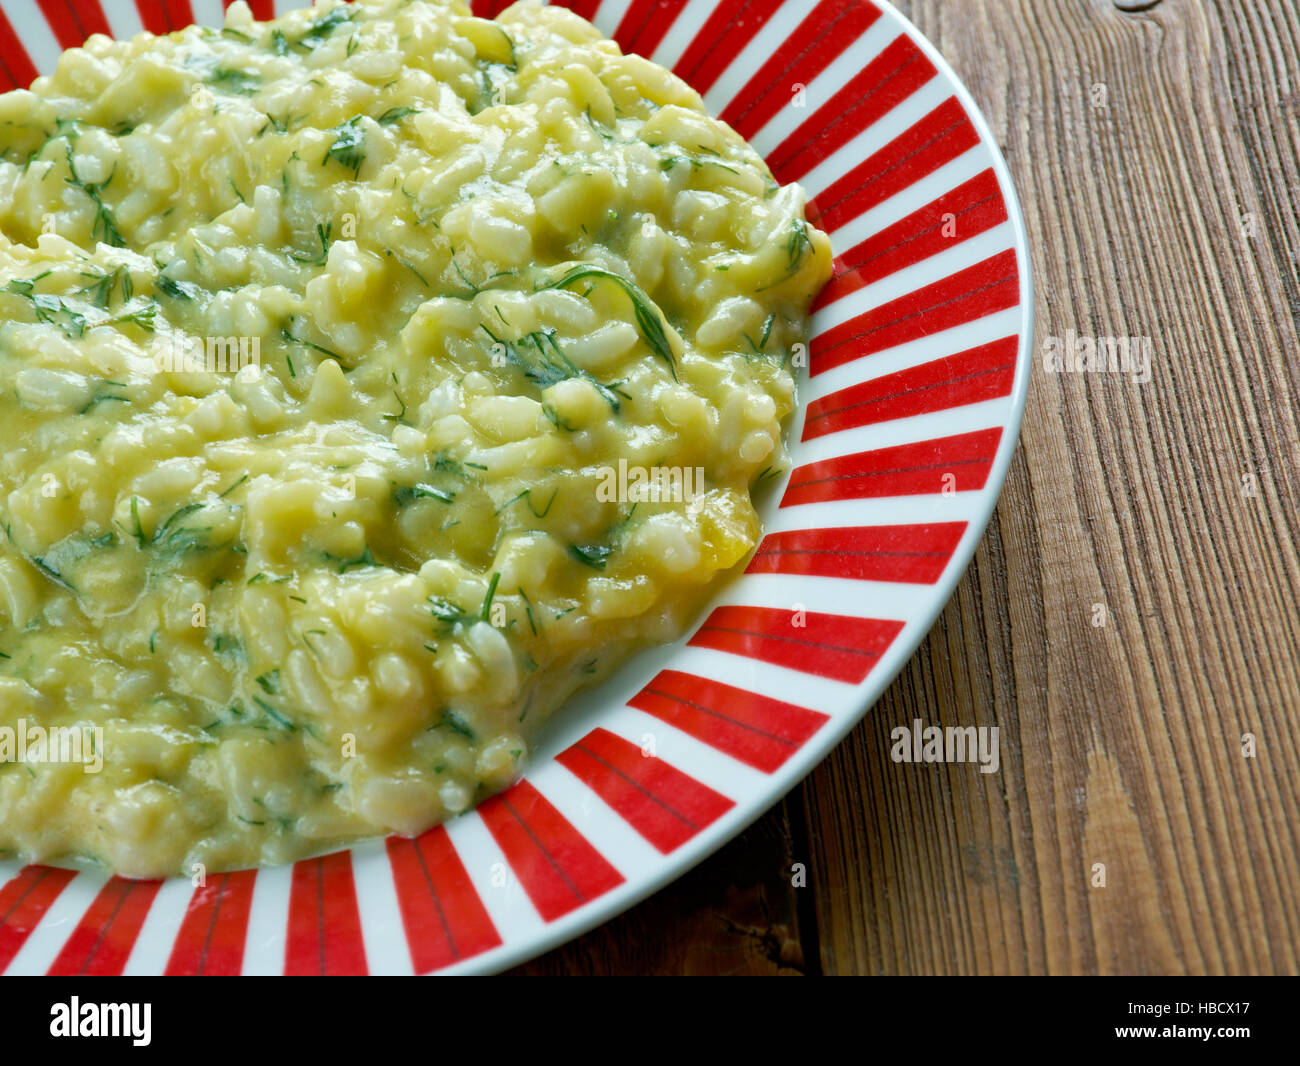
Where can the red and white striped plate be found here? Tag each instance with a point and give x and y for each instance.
(919, 368)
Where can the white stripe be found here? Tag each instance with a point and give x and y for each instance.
(600, 825)
(208, 13)
(916, 352)
(685, 28)
(268, 922)
(47, 939)
(949, 422)
(907, 201)
(608, 15)
(706, 764)
(153, 946)
(382, 930)
(751, 58)
(921, 509)
(123, 19)
(38, 39)
(882, 133)
(504, 898)
(960, 255)
(778, 682)
(936, 424)
(822, 595)
(818, 92)
(792, 686)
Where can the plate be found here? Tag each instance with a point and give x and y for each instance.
(911, 403)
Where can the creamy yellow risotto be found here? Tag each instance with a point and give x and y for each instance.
(370, 380)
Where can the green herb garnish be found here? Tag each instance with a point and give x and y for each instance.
(551, 364)
(409, 493)
(287, 335)
(649, 318)
(453, 721)
(322, 28)
(241, 82)
(348, 149)
(177, 290)
(487, 600)
(223, 495)
(364, 559)
(105, 228)
(323, 235)
(593, 555)
(52, 310)
(275, 715)
(142, 316)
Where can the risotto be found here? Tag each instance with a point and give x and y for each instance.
(370, 379)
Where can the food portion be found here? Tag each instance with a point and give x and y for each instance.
(370, 380)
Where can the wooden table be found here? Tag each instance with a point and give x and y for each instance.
(1156, 151)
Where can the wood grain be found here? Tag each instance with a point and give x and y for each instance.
(1156, 149)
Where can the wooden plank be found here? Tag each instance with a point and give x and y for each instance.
(1157, 157)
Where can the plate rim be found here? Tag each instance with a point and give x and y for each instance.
(820, 746)
(671, 866)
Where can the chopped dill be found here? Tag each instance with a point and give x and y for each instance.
(105, 227)
(648, 317)
(348, 149)
(239, 82)
(409, 493)
(551, 364)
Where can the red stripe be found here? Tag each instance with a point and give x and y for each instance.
(983, 289)
(215, 926)
(17, 71)
(162, 16)
(940, 137)
(74, 20)
(262, 9)
(868, 96)
(661, 803)
(972, 376)
(444, 919)
(23, 903)
(324, 921)
(558, 868)
(916, 554)
(972, 208)
(757, 730)
(490, 9)
(952, 464)
(823, 35)
(646, 23)
(103, 939)
(736, 22)
(829, 645)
